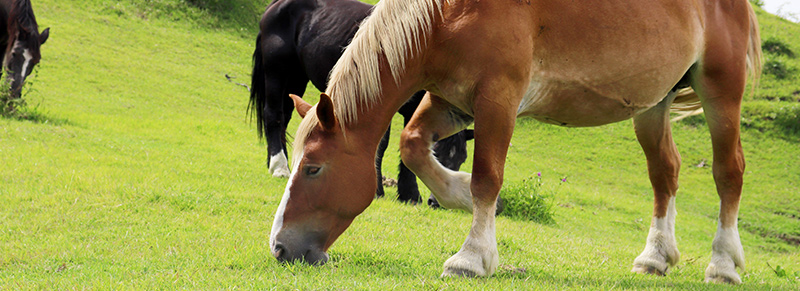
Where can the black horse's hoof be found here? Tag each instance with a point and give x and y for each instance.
(500, 205)
(433, 203)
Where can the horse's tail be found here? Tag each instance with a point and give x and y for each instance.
(258, 90)
(754, 57)
(687, 103)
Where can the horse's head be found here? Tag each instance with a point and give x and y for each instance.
(332, 181)
(22, 54)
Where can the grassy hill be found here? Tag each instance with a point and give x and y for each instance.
(142, 171)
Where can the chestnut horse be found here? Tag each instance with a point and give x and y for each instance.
(300, 41)
(570, 63)
(20, 40)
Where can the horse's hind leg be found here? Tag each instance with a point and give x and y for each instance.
(278, 113)
(720, 85)
(722, 111)
(663, 163)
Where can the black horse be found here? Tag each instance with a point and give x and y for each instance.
(300, 41)
(20, 40)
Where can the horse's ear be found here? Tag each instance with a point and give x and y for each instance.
(325, 112)
(301, 105)
(44, 35)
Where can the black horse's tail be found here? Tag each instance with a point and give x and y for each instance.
(258, 90)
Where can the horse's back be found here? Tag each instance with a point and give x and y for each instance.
(314, 31)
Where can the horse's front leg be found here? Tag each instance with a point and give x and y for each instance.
(663, 163)
(476, 193)
(494, 124)
(722, 110)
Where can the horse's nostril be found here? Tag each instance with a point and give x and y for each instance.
(279, 252)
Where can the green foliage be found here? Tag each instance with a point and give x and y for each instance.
(778, 68)
(238, 16)
(781, 78)
(18, 108)
(782, 121)
(783, 273)
(759, 3)
(528, 200)
(777, 47)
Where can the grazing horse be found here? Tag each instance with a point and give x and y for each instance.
(20, 39)
(569, 63)
(300, 41)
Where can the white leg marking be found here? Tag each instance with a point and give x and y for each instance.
(450, 188)
(727, 254)
(277, 223)
(478, 255)
(661, 250)
(278, 165)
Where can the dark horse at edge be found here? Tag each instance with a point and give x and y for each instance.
(20, 40)
(300, 41)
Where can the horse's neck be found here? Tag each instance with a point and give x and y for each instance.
(5, 12)
(373, 119)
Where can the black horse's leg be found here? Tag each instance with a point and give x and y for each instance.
(275, 130)
(278, 113)
(379, 161)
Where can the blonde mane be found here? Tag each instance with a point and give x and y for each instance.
(396, 29)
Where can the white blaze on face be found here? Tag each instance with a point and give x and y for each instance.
(277, 224)
(28, 57)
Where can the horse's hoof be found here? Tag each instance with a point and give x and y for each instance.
(724, 280)
(641, 269)
(458, 272)
(281, 173)
(467, 263)
(433, 203)
(722, 275)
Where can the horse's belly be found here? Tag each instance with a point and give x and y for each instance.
(575, 105)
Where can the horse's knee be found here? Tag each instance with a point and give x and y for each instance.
(413, 148)
(486, 189)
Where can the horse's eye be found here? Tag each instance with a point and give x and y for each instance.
(311, 170)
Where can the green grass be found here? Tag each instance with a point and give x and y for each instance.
(143, 172)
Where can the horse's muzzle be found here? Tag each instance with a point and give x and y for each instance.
(310, 255)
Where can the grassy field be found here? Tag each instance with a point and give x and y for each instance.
(143, 171)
